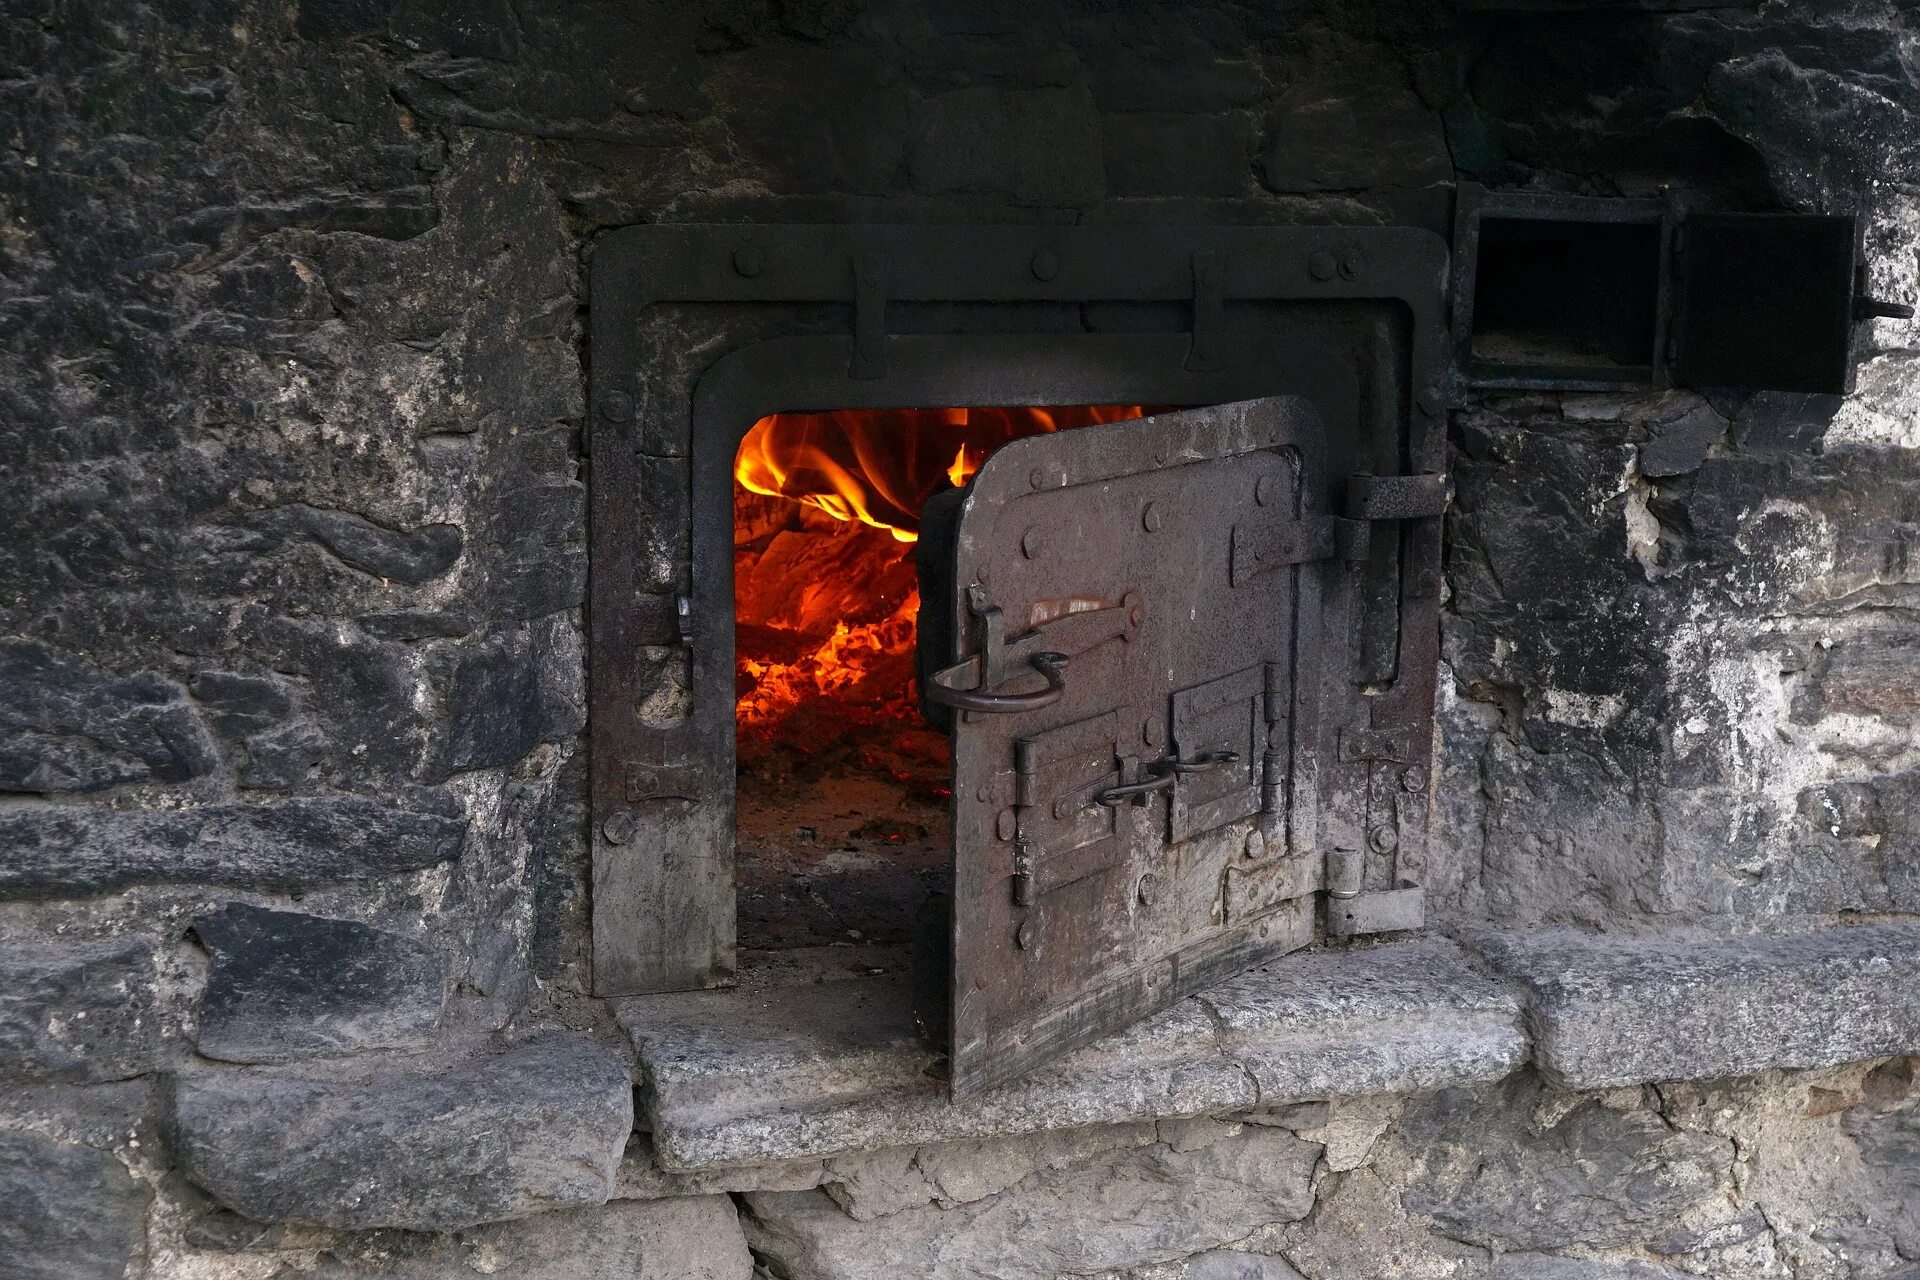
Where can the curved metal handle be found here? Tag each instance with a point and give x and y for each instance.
(1051, 665)
(1162, 774)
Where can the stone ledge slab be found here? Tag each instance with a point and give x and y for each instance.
(1610, 1011)
(748, 1077)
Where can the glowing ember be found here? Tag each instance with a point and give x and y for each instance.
(824, 581)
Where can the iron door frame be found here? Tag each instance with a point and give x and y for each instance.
(660, 418)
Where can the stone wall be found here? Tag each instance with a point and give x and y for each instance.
(290, 646)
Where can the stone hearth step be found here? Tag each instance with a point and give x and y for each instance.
(776, 1073)
(1607, 1011)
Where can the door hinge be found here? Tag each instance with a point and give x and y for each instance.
(1371, 497)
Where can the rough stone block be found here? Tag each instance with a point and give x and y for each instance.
(1541, 1266)
(1500, 1170)
(67, 1211)
(78, 1011)
(1392, 1019)
(1609, 1011)
(72, 849)
(854, 1077)
(1230, 1264)
(424, 1145)
(1154, 154)
(67, 726)
(1151, 1205)
(286, 986)
(693, 1238)
(1041, 147)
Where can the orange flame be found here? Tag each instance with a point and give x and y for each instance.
(826, 612)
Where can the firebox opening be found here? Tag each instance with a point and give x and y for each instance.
(843, 786)
(1554, 293)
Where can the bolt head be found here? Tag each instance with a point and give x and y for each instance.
(1023, 936)
(1353, 264)
(1151, 519)
(1045, 264)
(618, 828)
(1265, 489)
(616, 406)
(1383, 839)
(1256, 845)
(1032, 543)
(749, 260)
(1149, 889)
(1151, 728)
(1322, 265)
(1037, 478)
(1137, 615)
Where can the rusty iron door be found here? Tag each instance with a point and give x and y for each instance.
(1131, 618)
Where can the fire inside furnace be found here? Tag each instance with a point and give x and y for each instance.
(843, 787)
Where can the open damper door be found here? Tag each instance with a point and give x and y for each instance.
(1121, 626)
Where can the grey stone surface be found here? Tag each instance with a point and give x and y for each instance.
(1229, 1264)
(1575, 1172)
(1151, 1205)
(79, 1011)
(67, 726)
(474, 1136)
(1538, 1266)
(284, 985)
(1406, 1016)
(71, 849)
(1396, 1018)
(67, 1211)
(692, 1238)
(1688, 1006)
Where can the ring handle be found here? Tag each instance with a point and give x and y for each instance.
(1051, 665)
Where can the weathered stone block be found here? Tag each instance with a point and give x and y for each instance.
(424, 1145)
(1609, 1011)
(1230, 1264)
(1155, 154)
(693, 1238)
(67, 726)
(853, 1075)
(1151, 1205)
(1039, 147)
(78, 1011)
(1399, 1018)
(67, 1211)
(1540, 1266)
(510, 692)
(1498, 1173)
(70, 849)
(410, 556)
(1331, 137)
(286, 986)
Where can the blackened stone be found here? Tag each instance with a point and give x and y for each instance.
(78, 1011)
(1681, 445)
(403, 556)
(67, 726)
(1596, 1177)
(509, 693)
(284, 756)
(416, 624)
(1348, 136)
(1150, 154)
(72, 849)
(424, 1145)
(286, 986)
(242, 704)
(67, 1212)
(1041, 147)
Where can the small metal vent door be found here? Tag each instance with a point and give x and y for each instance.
(1132, 614)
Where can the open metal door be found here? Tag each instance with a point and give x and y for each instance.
(1129, 615)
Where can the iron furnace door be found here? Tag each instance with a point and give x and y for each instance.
(1129, 614)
